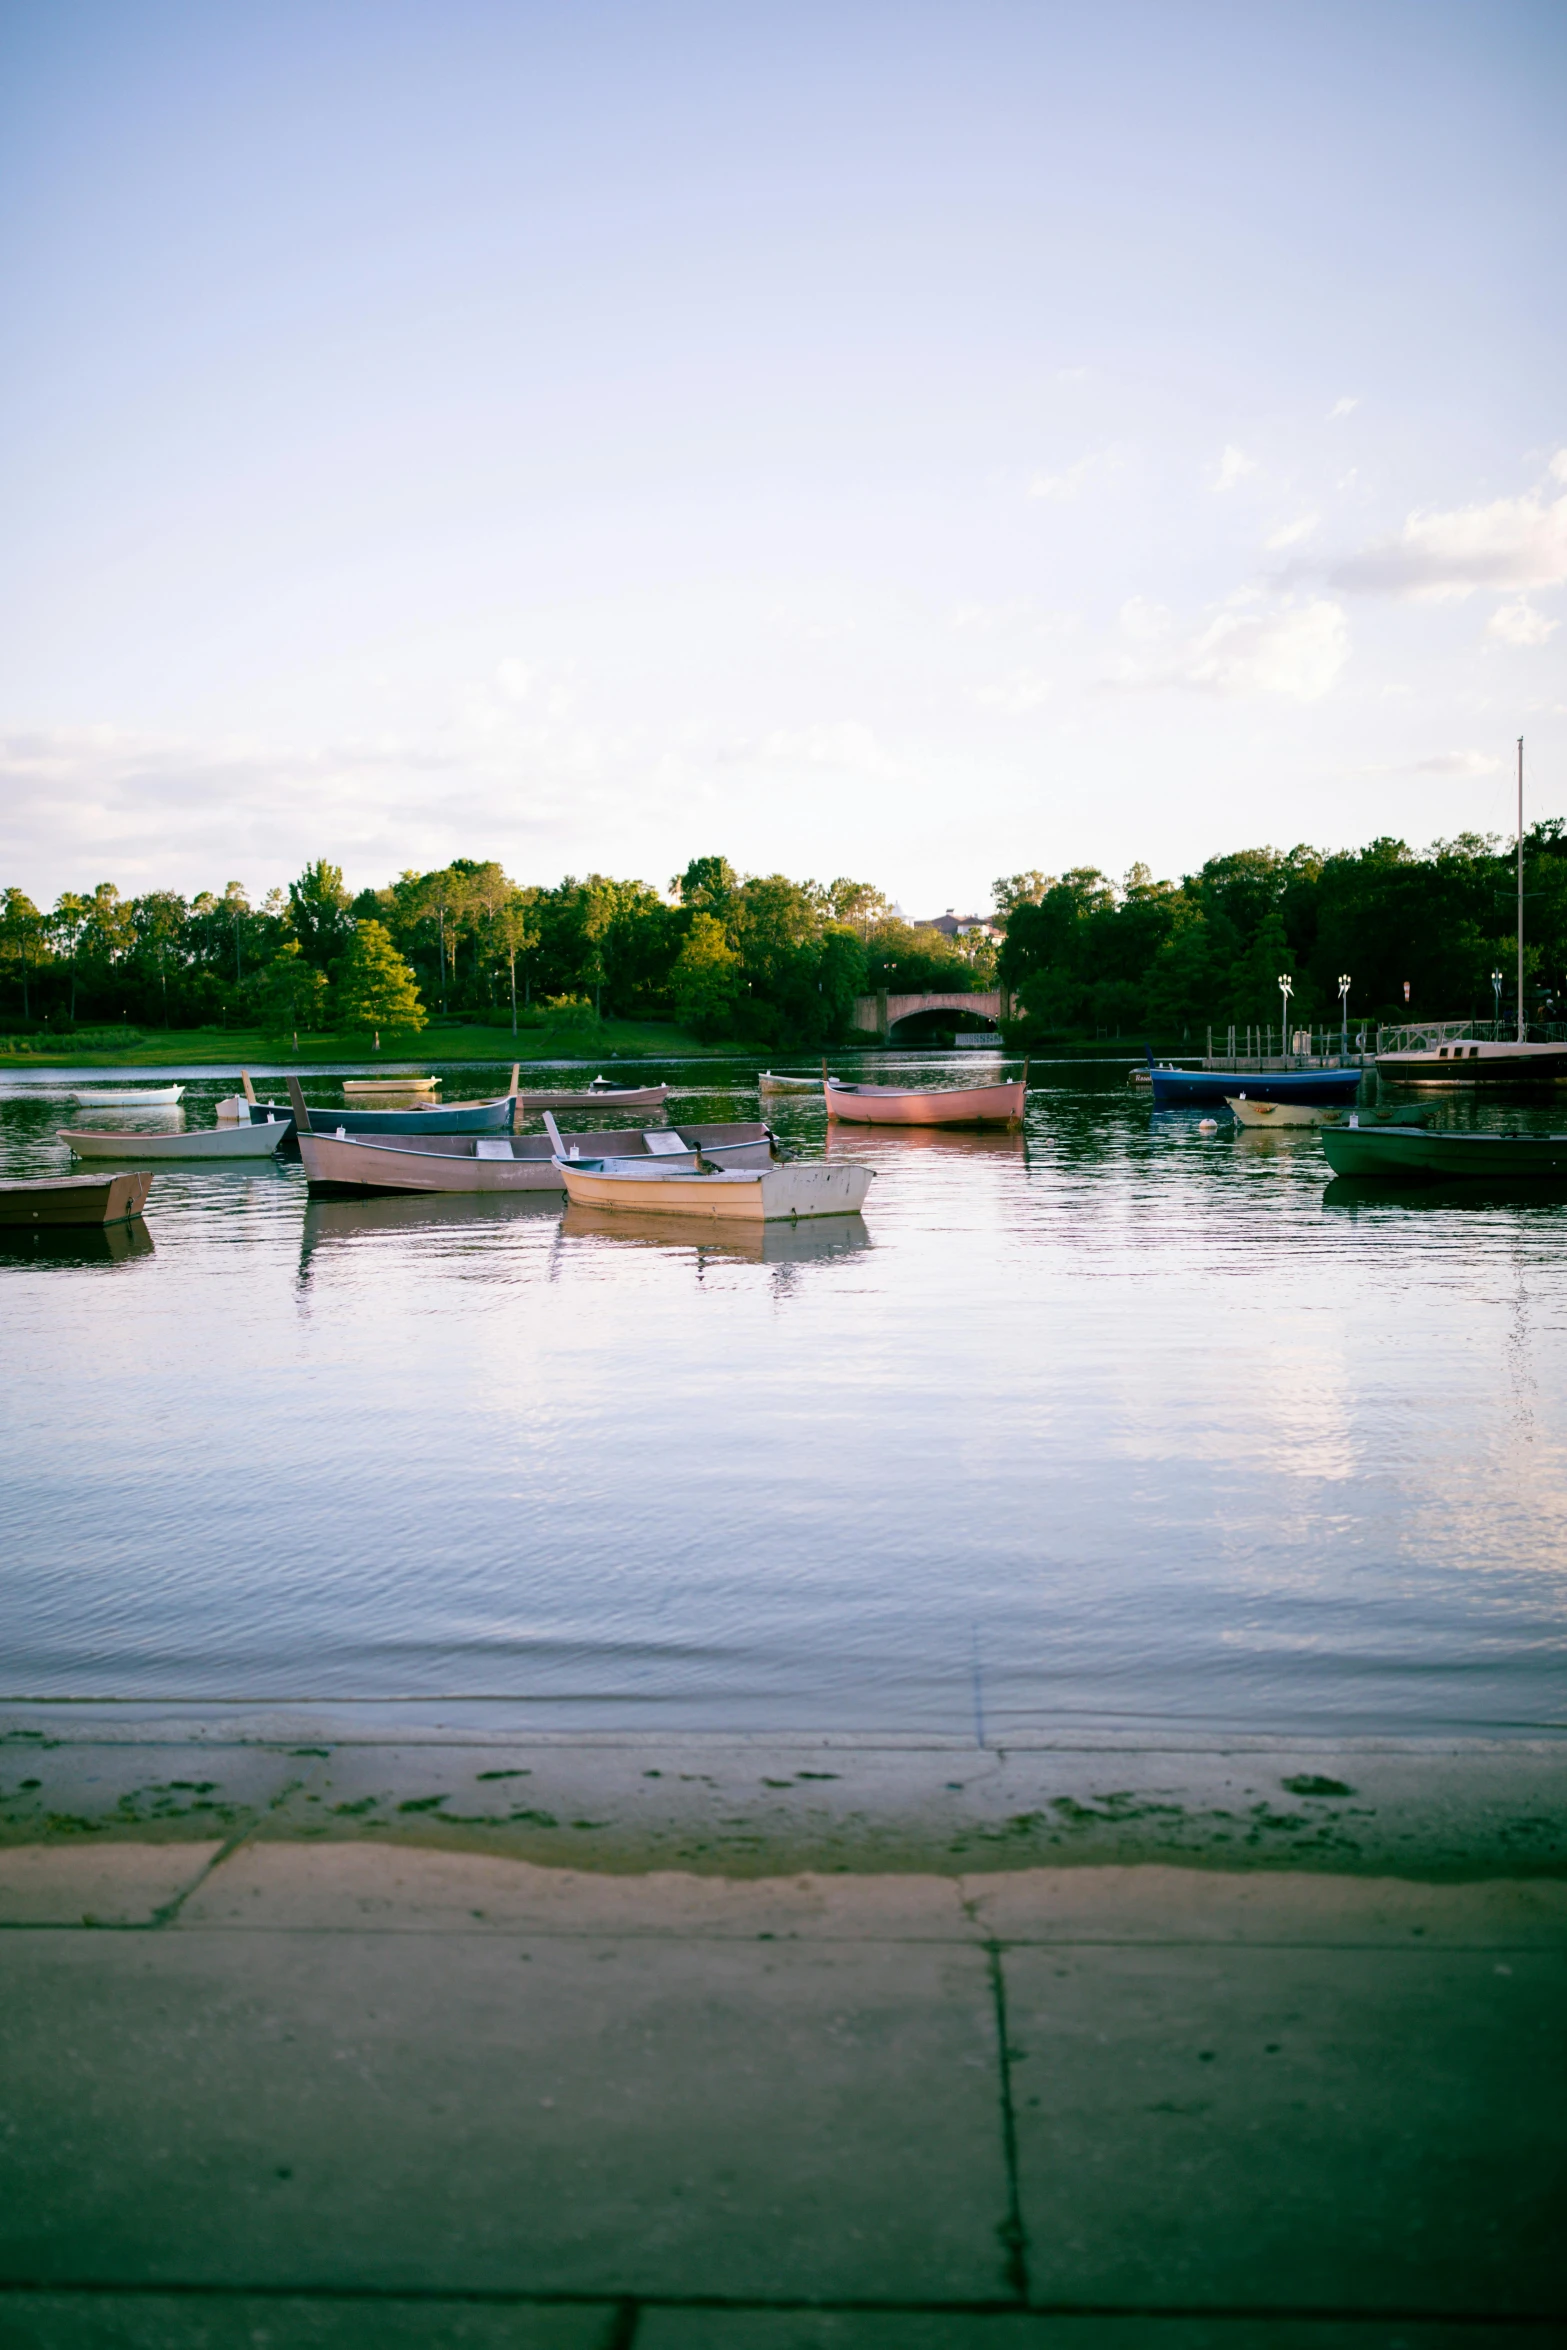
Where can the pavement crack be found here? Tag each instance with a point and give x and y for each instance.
(1013, 2234)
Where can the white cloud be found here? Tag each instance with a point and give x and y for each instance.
(1557, 468)
(1342, 408)
(1144, 621)
(1511, 543)
(1290, 534)
(1233, 467)
(844, 744)
(1076, 478)
(1252, 647)
(1021, 690)
(1296, 651)
(1520, 624)
(1456, 763)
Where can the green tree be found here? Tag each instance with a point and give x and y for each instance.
(376, 989)
(515, 926)
(318, 913)
(23, 940)
(67, 926)
(706, 977)
(294, 993)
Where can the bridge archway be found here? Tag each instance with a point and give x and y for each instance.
(936, 1023)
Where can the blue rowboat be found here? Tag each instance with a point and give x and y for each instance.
(1174, 1088)
(443, 1118)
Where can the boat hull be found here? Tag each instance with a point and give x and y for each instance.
(431, 1163)
(768, 1083)
(1173, 1089)
(1478, 1064)
(61, 1202)
(598, 1097)
(785, 1194)
(212, 1142)
(148, 1097)
(1246, 1112)
(1408, 1154)
(961, 1105)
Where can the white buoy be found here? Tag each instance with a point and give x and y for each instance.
(1207, 1125)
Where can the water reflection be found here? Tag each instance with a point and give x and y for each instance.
(89, 1244)
(412, 1217)
(812, 1242)
(1166, 1427)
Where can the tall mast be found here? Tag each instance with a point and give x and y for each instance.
(1522, 1027)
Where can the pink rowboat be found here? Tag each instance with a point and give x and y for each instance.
(948, 1105)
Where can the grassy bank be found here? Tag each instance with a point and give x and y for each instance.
(440, 1042)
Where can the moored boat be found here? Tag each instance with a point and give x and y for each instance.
(1404, 1154)
(492, 1117)
(780, 1194)
(513, 1162)
(211, 1142)
(1464, 1062)
(370, 1089)
(60, 1201)
(772, 1081)
(1246, 1112)
(603, 1094)
(1173, 1089)
(947, 1105)
(142, 1097)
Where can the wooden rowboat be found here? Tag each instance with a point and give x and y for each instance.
(60, 1200)
(768, 1081)
(494, 1117)
(1405, 1154)
(512, 1162)
(144, 1097)
(763, 1196)
(213, 1142)
(948, 1105)
(370, 1089)
(603, 1094)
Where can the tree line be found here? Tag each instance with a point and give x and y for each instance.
(758, 958)
(765, 960)
(1418, 934)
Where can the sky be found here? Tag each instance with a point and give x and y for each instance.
(910, 442)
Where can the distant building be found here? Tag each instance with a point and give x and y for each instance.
(953, 925)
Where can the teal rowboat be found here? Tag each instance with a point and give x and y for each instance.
(1408, 1154)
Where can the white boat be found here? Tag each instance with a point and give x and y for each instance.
(769, 1081)
(776, 1195)
(1274, 1113)
(145, 1097)
(212, 1142)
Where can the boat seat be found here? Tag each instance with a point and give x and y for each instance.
(662, 1144)
(492, 1146)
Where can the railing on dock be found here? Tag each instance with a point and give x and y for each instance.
(1264, 1047)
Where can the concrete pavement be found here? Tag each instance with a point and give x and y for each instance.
(265, 2086)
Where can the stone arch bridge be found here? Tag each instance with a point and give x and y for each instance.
(879, 1015)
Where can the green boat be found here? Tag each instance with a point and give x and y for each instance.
(1408, 1154)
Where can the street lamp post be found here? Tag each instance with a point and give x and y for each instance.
(1285, 986)
(1343, 1015)
(1496, 990)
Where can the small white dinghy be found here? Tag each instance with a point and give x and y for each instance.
(145, 1097)
(770, 1081)
(212, 1142)
(735, 1195)
(1248, 1113)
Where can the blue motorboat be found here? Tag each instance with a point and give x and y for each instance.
(1174, 1088)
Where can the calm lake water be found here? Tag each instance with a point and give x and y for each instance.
(1110, 1425)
